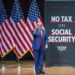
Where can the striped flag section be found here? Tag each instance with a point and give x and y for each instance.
(33, 18)
(6, 38)
(19, 30)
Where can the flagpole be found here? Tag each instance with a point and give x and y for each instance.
(19, 64)
(19, 67)
(3, 67)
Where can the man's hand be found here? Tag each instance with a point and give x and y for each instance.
(46, 46)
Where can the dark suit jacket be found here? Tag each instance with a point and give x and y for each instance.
(36, 39)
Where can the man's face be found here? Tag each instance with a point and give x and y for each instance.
(39, 26)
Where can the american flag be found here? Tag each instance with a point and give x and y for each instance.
(6, 40)
(19, 30)
(0, 29)
(0, 39)
(33, 18)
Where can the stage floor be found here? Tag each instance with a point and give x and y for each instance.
(27, 69)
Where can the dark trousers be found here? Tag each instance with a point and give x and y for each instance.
(39, 59)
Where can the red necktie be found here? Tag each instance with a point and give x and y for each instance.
(40, 38)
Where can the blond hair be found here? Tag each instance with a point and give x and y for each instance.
(39, 24)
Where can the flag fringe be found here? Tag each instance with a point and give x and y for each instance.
(7, 52)
(16, 53)
(31, 53)
(22, 55)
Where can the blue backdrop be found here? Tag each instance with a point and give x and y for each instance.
(60, 26)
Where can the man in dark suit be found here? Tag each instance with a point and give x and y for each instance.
(40, 43)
